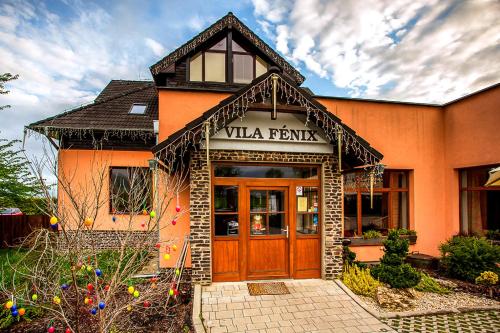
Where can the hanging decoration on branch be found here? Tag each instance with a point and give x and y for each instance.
(290, 94)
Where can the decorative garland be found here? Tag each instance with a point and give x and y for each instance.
(263, 90)
(227, 21)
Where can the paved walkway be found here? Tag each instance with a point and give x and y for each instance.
(473, 322)
(311, 306)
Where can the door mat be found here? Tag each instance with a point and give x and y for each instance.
(267, 288)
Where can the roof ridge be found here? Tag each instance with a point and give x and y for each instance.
(94, 103)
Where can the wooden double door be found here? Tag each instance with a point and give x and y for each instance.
(265, 229)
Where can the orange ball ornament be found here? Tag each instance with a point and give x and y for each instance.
(22, 311)
(88, 222)
(53, 220)
(174, 247)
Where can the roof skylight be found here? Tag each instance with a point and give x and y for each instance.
(138, 108)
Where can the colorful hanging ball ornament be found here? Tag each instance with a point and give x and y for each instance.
(34, 297)
(106, 287)
(64, 286)
(144, 212)
(171, 292)
(93, 311)
(90, 287)
(22, 311)
(13, 308)
(147, 304)
(174, 222)
(113, 219)
(89, 268)
(14, 313)
(158, 245)
(86, 300)
(166, 256)
(83, 268)
(88, 222)
(98, 272)
(177, 272)
(54, 226)
(176, 292)
(68, 330)
(56, 300)
(174, 247)
(129, 308)
(9, 304)
(131, 290)
(136, 293)
(53, 220)
(152, 214)
(102, 305)
(177, 208)
(51, 329)
(143, 225)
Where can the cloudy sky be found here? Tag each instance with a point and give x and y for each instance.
(428, 51)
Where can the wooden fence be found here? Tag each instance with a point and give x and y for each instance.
(14, 228)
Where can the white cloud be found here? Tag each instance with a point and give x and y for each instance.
(156, 47)
(412, 50)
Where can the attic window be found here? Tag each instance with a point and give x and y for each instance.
(138, 108)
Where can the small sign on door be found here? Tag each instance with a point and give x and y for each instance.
(298, 190)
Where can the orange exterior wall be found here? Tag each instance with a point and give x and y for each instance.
(410, 137)
(472, 138)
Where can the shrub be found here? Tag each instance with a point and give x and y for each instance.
(371, 234)
(407, 232)
(359, 280)
(466, 258)
(349, 257)
(392, 269)
(487, 278)
(493, 234)
(428, 284)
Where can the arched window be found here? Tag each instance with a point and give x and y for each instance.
(226, 62)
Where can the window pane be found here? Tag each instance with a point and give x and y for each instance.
(130, 190)
(226, 225)
(237, 48)
(258, 201)
(195, 66)
(375, 218)
(260, 67)
(215, 67)
(350, 214)
(307, 223)
(398, 179)
(220, 46)
(242, 68)
(399, 210)
(261, 171)
(138, 109)
(277, 224)
(276, 201)
(258, 224)
(226, 198)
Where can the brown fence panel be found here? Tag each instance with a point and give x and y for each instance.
(14, 228)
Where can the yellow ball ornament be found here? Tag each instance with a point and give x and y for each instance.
(9, 304)
(89, 268)
(136, 293)
(152, 214)
(131, 290)
(53, 220)
(129, 308)
(86, 300)
(56, 300)
(166, 256)
(171, 292)
(88, 222)
(34, 297)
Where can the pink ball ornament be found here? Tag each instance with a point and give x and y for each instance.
(51, 329)
(174, 222)
(178, 208)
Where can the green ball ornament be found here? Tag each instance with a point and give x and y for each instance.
(177, 272)
(34, 297)
(136, 293)
(152, 214)
(171, 292)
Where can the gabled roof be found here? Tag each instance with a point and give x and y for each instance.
(109, 111)
(227, 22)
(237, 105)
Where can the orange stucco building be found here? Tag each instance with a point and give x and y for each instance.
(277, 177)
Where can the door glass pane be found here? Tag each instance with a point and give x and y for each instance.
(258, 201)
(242, 68)
(226, 198)
(307, 223)
(215, 67)
(276, 201)
(226, 225)
(258, 224)
(277, 224)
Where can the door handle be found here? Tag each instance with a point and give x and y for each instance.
(286, 230)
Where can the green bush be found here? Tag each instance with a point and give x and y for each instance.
(428, 284)
(487, 278)
(493, 234)
(407, 232)
(359, 280)
(372, 234)
(465, 258)
(392, 269)
(350, 258)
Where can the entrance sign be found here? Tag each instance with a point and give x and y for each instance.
(258, 132)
